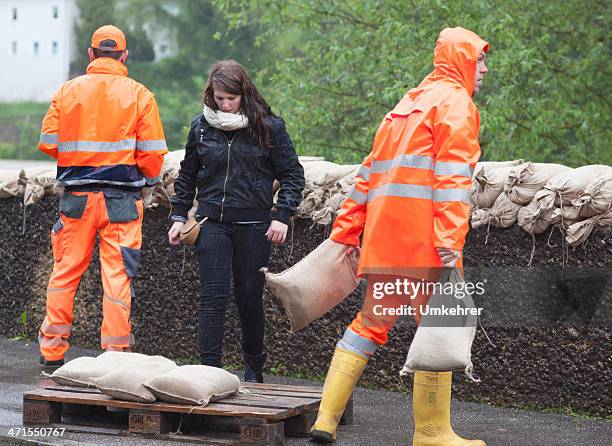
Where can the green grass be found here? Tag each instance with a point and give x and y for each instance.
(19, 109)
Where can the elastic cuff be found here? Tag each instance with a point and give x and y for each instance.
(178, 218)
(282, 215)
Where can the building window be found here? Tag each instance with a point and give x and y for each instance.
(54, 47)
(36, 48)
(55, 12)
(14, 13)
(14, 47)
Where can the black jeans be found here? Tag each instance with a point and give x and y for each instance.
(224, 248)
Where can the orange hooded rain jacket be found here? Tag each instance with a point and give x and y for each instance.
(412, 190)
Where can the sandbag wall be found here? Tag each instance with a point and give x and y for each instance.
(545, 367)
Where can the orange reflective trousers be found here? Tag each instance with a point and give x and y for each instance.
(379, 314)
(117, 217)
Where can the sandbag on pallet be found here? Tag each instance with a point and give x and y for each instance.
(128, 383)
(194, 384)
(84, 370)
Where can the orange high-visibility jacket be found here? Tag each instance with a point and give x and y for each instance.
(104, 127)
(412, 190)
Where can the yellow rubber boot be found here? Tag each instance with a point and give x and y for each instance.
(431, 409)
(344, 372)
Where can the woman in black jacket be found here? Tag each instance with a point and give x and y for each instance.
(235, 150)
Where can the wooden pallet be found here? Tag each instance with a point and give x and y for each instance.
(266, 416)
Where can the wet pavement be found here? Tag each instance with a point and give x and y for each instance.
(380, 418)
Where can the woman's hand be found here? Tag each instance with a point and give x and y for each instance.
(449, 257)
(174, 234)
(277, 232)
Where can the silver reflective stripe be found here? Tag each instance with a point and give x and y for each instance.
(48, 138)
(450, 168)
(150, 181)
(117, 302)
(154, 144)
(96, 146)
(364, 173)
(416, 161)
(358, 196)
(117, 340)
(55, 329)
(138, 183)
(400, 190)
(351, 341)
(462, 195)
(56, 341)
(55, 290)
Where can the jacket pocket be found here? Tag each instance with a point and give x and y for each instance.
(121, 205)
(56, 235)
(72, 206)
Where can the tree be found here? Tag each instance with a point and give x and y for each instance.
(546, 97)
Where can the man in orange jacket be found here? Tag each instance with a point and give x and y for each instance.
(105, 131)
(411, 202)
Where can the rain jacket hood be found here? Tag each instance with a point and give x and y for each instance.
(411, 194)
(455, 58)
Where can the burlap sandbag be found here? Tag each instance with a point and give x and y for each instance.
(320, 173)
(596, 197)
(565, 217)
(443, 343)
(580, 231)
(193, 384)
(533, 219)
(84, 370)
(487, 184)
(526, 180)
(316, 284)
(9, 184)
(128, 384)
(502, 214)
(567, 186)
(494, 164)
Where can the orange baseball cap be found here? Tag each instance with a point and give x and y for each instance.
(108, 38)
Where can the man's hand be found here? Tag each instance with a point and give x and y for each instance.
(174, 234)
(277, 232)
(449, 257)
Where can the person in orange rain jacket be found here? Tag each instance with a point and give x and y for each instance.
(411, 203)
(105, 131)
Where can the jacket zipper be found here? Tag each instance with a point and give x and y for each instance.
(229, 150)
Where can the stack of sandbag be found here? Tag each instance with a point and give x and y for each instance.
(547, 206)
(38, 182)
(144, 379)
(593, 208)
(120, 375)
(488, 183)
(327, 185)
(10, 186)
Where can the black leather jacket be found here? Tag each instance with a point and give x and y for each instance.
(233, 175)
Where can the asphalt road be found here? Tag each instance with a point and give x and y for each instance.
(380, 418)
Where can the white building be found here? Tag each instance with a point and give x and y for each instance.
(36, 38)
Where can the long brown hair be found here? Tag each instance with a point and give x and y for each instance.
(230, 76)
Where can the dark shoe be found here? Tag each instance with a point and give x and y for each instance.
(253, 367)
(56, 363)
